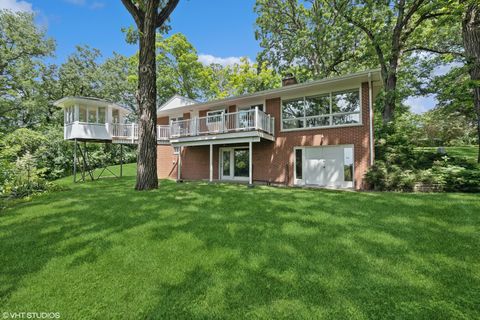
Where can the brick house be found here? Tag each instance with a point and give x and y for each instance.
(314, 133)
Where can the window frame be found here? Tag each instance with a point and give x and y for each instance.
(330, 115)
(296, 180)
(209, 114)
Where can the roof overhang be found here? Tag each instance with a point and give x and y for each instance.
(373, 75)
(90, 101)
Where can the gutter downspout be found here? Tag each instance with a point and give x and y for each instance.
(370, 106)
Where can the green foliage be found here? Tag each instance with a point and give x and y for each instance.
(47, 157)
(23, 101)
(307, 38)
(242, 78)
(178, 68)
(26, 178)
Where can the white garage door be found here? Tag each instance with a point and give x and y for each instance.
(327, 166)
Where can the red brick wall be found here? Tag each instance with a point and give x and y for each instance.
(196, 163)
(166, 162)
(273, 161)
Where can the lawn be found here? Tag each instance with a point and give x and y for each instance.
(100, 250)
(470, 153)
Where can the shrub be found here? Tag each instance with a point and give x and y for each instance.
(26, 178)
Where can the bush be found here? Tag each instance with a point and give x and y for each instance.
(26, 178)
(49, 157)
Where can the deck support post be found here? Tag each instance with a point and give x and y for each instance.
(121, 160)
(211, 162)
(250, 175)
(179, 168)
(75, 162)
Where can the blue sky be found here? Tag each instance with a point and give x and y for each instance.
(219, 29)
(222, 31)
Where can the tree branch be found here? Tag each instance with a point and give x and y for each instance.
(437, 51)
(165, 12)
(368, 32)
(136, 13)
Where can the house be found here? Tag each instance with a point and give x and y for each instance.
(315, 133)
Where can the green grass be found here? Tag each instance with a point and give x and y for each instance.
(101, 250)
(470, 153)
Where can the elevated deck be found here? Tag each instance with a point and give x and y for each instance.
(249, 125)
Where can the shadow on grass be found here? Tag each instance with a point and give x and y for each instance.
(195, 250)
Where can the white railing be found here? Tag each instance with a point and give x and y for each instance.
(129, 131)
(247, 120)
(163, 132)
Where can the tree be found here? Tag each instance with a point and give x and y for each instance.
(240, 78)
(117, 80)
(306, 37)
(147, 19)
(78, 76)
(396, 29)
(22, 72)
(471, 42)
(181, 72)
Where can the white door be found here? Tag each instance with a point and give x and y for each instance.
(324, 166)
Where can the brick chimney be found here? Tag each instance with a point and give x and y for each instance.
(288, 80)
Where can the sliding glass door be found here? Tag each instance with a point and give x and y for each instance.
(234, 163)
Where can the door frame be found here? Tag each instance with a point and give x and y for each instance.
(302, 182)
(232, 164)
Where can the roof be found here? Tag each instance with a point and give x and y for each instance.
(363, 76)
(67, 101)
(175, 102)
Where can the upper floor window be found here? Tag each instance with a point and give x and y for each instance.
(215, 116)
(331, 109)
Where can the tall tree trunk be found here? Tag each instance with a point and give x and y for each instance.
(147, 92)
(471, 43)
(390, 87)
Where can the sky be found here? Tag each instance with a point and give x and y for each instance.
(222, 31)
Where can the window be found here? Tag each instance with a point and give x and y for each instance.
(345, 102)
(241, 163)
(293, 113)
(298, 164)
(116, 116)
(69, 112)
(101, 114)
(331, 109)
(214, 116)
(92, 115)
(82, 113)
(176, 118)
(348, 164)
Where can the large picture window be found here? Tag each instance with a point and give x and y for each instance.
(326, 110)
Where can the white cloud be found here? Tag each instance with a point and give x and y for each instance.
(421, 104)
(91, 4)
(208, 59)
(16, 5)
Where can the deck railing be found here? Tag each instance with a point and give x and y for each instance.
(129, 131)
(247, 120)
